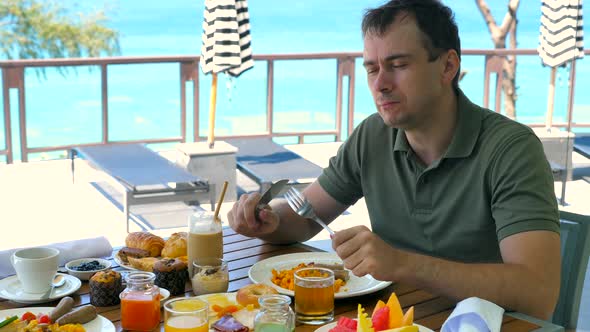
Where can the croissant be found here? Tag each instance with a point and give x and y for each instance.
(146, 241)
(176, 245)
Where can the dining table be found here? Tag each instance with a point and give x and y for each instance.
(242, 252)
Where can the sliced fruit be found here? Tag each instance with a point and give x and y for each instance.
(347, 322)
(408, 317)
(395, 312)
(364, 323)
(380, 319)
(380, 304)
(340, 328)
(412, 328)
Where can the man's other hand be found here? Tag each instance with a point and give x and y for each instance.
(363, 252)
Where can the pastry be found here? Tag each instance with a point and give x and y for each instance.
(146, 241)
(144, 264)
(126, 252)
(105, 287)
(176, 245)
(171, 274)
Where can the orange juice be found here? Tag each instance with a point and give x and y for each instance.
(186, 324)
(314, 301)
(140, 312)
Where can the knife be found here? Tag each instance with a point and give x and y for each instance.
(268, 195)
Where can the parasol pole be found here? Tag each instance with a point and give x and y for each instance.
(550, 100)
(212, 104)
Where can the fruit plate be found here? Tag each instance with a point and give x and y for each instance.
(261, 273)
(245, 317)
(99, 324)
(328, 327)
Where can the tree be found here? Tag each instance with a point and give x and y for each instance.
(32, 29)
(498, 34)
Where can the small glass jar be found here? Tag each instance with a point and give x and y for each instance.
(275, 314)
(140, 302)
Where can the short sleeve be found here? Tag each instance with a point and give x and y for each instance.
(523, 196)
(341, 179)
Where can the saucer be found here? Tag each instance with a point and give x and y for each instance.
(11, 289)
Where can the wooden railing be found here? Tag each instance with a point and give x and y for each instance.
(13, 78)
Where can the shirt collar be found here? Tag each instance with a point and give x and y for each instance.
(466, 132)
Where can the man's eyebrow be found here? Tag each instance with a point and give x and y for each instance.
(387, 59)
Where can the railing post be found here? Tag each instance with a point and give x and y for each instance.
(351, 89)
(189, 71)
(270, 73)
(104, 102)
(7, 83)
(346, 68)
(339, 83)
(493, 64)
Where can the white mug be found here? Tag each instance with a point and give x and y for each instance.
(35, 268)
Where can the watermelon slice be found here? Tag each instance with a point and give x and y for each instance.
(380, 319)
(347, 322)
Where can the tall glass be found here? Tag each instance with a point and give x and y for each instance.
(186, 315)
(205, 238)
(314, 295)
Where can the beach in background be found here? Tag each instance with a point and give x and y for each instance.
(144, 100)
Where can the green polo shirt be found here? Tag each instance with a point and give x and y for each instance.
(493, 181)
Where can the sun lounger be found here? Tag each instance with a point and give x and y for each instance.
(582, 145)
(146, 176)
(266, 162)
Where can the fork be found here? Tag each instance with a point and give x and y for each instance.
(302, 207)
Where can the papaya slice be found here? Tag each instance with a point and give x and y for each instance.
(408, 319)
(380, 304)
(395, 312)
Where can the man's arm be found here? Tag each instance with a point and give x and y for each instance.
(281, 224)
(528, 280)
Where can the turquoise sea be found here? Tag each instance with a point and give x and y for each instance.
(144, 99)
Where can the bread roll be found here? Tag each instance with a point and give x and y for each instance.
(176, 245)
(146, 241)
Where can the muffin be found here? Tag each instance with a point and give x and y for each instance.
(171, 274)
(105, 287)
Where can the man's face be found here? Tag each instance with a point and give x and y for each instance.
(404, 84)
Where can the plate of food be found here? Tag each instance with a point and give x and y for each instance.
(386, 317)
(242, 305)
(277, 271)
(143, 249)
(29, 318)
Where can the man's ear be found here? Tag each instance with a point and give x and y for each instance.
(451, 64)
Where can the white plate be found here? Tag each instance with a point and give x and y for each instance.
(261, 273)
(231, 297)
(99, 324)
(123, 264)
(11, 289)
(327, 327)
(164, 295)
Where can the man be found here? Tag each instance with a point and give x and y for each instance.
(460, 198)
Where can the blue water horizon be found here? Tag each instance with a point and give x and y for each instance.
(144, 100)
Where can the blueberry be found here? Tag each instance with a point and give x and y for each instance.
(88, 266)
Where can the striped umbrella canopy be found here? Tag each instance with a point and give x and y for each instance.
(561, 39)
(226, 46)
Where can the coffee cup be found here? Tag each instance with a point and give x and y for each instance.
(35, 268)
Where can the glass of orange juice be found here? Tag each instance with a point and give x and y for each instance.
(186, 315)
(314, 295)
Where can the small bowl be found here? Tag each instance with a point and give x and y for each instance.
(85, 275)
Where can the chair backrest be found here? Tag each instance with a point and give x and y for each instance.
(575, 249)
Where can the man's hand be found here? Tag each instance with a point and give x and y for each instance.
(242, 218)
(363, 252)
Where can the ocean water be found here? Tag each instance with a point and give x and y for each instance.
(144, 99)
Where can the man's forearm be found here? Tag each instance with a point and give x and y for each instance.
(511, 286)
(292, 227)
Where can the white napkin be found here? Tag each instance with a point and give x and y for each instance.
(474, 315)
(86, 248)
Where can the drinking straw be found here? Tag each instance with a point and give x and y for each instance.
(215, 216)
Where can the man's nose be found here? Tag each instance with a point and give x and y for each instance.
(382, 82)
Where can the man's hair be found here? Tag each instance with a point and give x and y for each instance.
(435, 20)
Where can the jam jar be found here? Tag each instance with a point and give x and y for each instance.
(140, 302)
(275, 314)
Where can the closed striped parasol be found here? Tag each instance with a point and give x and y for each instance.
(560, 41)
(561, 38)
(226, 45)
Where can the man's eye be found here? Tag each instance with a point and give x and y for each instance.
(398, 65)
(371, 71)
